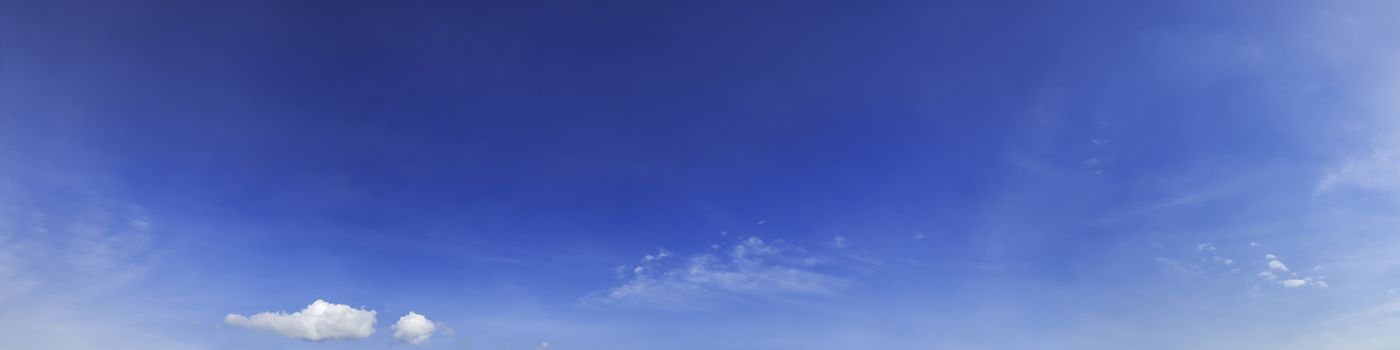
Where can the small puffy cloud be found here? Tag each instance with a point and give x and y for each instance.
(414, 329)
(1293, 283)
(1275, 264)
(319, 321)
(543, 346)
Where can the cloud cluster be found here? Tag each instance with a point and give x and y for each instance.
(414, 328)
(324, 320)
(1208, 263)
(1293, 280)
(319, 321)
(751, 267)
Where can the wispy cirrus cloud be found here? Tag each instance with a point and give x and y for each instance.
(1378, 170)
(750, 268)
(66, 251)
(85, 240)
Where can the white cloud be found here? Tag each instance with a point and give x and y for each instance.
(414, 328)
(543, 346)
(1275, 264)
(752, 267)
(1319, 282)
(319, 321)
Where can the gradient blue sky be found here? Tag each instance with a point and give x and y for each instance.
(703, 175)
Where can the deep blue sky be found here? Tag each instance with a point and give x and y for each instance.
(819, 174)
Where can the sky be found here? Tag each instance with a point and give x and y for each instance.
(560, 175)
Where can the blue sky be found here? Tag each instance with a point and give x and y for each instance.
(699, 175)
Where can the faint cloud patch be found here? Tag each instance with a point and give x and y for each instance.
(1378, 171)
(81, 244)
(840, 242)
(750, 268)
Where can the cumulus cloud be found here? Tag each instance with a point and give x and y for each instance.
(751, 267)
(319, 321)
(414, 328)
